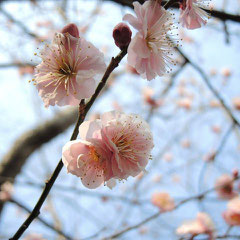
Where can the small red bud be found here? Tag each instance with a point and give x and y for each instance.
(72, 29)
(235, 173)
(122, 35)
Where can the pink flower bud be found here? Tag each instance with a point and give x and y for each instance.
(72, 29)
(122, 35)
(224, 187)
(235, 173)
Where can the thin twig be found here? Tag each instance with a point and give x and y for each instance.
(18, 23)
(57, 230)
(211, 87)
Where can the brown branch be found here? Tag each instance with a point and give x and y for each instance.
(44, 222)
(211, 87)
(223, 16)
(83, 110)
(9, 65)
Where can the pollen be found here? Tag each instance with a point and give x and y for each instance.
(93, 154)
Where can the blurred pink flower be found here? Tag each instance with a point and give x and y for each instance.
(163, 201)
(232, 214)
(185, 102)
(186, 143)
(6, 191)
(34, 236)
(150, 49)
(210, 156)
(226, 72)
(148, 97)
(168, 157)
(216, 128)
(201, 225)
(191, 14)
(236, 102)
(224, 187)
(115, 146)
(157, 178)
(69, 64)
(214, 103)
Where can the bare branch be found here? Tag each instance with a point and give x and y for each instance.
(44, 222)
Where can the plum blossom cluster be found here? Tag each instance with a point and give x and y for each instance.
(115, 146)
(149, 51)
(202, 224)
(69, 64)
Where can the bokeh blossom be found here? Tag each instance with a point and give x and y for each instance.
(224, 187)
(34, 236)
(236, 103)
(201, 225)
(232, 214)
(69, 64)
(6, 191)
(115, 146)
(191, 14)
(163, 201)
(148, 97)
(150, 50)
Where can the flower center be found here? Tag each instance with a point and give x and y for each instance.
(93, 154)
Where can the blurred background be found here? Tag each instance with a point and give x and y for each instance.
(196, 140)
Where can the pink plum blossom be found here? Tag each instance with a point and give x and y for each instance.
(224, 187)
(69, 64)
(130, 140)
(232, 214)
(163, 201)
(150, 49)
(88, 160)
(201, 225)
(191, 14)
(115, 146)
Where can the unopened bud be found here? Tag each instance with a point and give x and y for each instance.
(235, 173)
(122, 35)
(72, 29)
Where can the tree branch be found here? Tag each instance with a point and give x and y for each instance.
(223, 16)
(44, 222)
